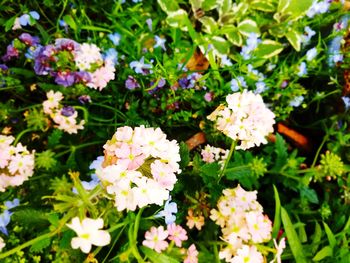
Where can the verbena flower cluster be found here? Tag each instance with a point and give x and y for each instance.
(245, 119)
(16, 163)
(89, 233)
(212, 154)
(140, 167)
(64, 116)
(66, 60)
(242, 223)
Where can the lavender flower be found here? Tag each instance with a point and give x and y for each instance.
(160, 42)
(131, 83)
(140, 66)
(29, 40)
(83, 99)
(311, 54)
(296, 102)
(170, 208)
(67, 111)
(5, 219)
(238, 83)
(11, 52)
(12, 204)
(64, 78)
(82, 77)
(149, 24)
(302, 69)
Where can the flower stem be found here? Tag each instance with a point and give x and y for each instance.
(232, 149)
(132, 234)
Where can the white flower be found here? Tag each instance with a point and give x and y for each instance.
(246, 119)
(279, 247)
(52, 102)
(2, 243)
(88, 234)
(160, 42)
(87, 55)
(311, 54)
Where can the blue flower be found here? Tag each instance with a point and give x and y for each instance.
(334, 53)
(238, 83)
(12, 204)
(97, 164)
(5, 219)
(140, 66)
(260, 87)
(167, 213)
(306, 37)
(160, 42)
(346, 101)
(115, 38)
(302, 69)
(149, 23)
(24, 19)
(296, 102)
(112, 55)
(311, 54)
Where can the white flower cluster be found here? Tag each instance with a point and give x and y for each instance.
(140, 166)
(242, 224)
(246, 119)
(64, 117)
(16, 163)
(212, 154)
(89, 58)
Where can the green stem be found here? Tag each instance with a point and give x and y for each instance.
(325, 138)
(233, 146)
(21, 134)
(85, 111)
(73, 148)
(216, 253)
(132, 240)
(137, 223)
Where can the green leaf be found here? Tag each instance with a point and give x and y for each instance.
(44, 35)
(70, 22)
(40, 245)
(155, 257)
(281, 152)
(268, 48)
(327, 251)
(293, 239)
(294, 39)
(235, 38)
(241, 173)
(316, 237)
(331, 238)
(54, 138)
(168, 5)
(185, 155)
(309, 194)
(247, 27)
(277, 219)
(264, 6)
(177, 19)
(9, 23)
(209, 4)
(210, 25)
(297, 8)
(282, 5)
(221, 45)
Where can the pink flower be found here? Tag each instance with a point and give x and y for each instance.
(130, 156)
(194, 221)
(248, 254)
(177, 234)
(259, 226)
(155, 239)
(192, 255)
(163, 174)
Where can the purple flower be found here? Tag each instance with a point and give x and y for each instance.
(83, 99)
(167, 213)
(149, 24)
(208, 96)
(49, 50)
(131, 83)
(3, 67)
(160, 42)
(41, 65)
(82, 77)
(64, 78)
(67, 111)
(29, 40)
(11, 52)
(66, 44)
(140, 66)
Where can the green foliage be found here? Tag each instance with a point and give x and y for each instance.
(45, 160)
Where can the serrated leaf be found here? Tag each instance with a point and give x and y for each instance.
(40, 245)
(294, 39)
(248, 26)
(168, 5)
(293, 239)
(220, 44)
(241, 173)
(309, 194)
(331, 238)
(327, 251)
(70, 22)
(264, 6)
(210, 25)
(267, 49)
(155, 257)
(54, 138)
(281, 152)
